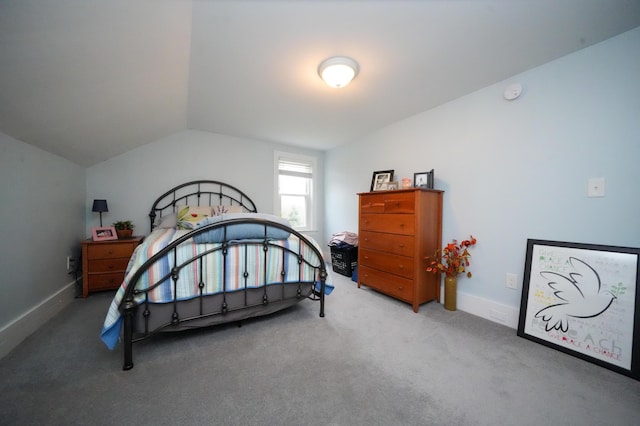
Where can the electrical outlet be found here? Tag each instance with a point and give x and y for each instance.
(72, 264)
(512, 280)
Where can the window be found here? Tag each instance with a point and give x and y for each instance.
(294, 189)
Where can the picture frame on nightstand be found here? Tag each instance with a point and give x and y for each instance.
(104, 233)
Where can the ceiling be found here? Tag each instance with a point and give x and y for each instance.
(91, 79)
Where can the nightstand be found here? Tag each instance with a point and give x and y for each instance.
(105, 262)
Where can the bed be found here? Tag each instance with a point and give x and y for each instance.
(209, 259)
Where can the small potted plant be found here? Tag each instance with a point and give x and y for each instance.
(124, 229)
(452, 261)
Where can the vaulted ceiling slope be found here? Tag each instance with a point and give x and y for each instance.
(90, 79)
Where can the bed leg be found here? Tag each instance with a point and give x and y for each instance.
(128, 336)
(323, 277)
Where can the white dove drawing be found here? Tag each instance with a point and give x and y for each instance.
(580, 292)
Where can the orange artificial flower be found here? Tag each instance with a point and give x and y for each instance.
(454, 259)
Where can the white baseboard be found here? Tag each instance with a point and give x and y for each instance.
(488, 309)
(22, 327)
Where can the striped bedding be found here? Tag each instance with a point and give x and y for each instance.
(241, 258)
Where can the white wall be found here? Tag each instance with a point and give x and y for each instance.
(41, 222)
(131, 182)
(514, 170)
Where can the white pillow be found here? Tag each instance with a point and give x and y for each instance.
(218, 210)
(168, 221)
(188, 216)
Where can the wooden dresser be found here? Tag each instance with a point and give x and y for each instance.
(104, 263)
(396, 231)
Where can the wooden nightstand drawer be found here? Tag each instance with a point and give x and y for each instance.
(105, 281)
(110, 250)
(391, 263)
(108, 265)
(392, 223)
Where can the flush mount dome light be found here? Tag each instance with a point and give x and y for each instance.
(338, 71)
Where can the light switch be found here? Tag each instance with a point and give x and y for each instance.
(595, 187)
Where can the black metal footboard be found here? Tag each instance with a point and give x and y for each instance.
(142, 318)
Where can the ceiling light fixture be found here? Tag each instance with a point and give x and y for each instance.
(338, 71)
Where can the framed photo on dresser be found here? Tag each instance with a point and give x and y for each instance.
(423, 179)
(380, 179)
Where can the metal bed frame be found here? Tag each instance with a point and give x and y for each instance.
(143, 319)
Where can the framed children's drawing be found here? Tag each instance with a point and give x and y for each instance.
(582, 299)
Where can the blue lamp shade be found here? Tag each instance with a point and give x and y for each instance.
(100, 206)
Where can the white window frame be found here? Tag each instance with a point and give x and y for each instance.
(311, 207)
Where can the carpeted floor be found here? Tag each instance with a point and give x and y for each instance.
(370, 361)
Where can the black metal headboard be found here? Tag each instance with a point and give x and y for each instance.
(200, 193)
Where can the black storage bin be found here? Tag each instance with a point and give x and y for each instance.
(344, 259)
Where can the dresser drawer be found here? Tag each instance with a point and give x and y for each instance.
(106, 250)
(388, 202)
(108, 265)
(372, 204)
(391, 243)
(392, 285)
(390, 223)
(400, 202)
(391, 263)
(108, 281)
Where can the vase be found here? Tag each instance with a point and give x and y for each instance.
(450, 291)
